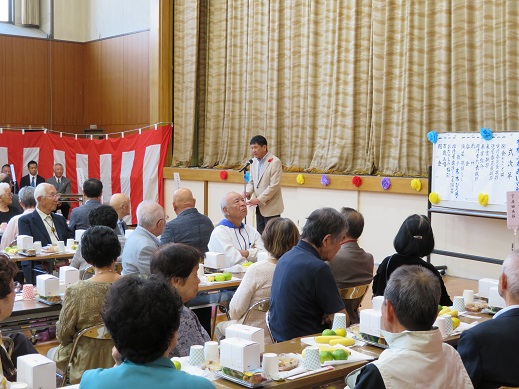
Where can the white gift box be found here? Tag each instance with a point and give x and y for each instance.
(78, 235)
(215, 260)
(37, 371)
(242, 331)
(24, 242)
(127, 233)
(239, 354)
(484, 286)
(494, 299)
(47, 285)
(68, 275)
(262, 256)
(371, 322)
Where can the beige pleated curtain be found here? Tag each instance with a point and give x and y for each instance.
(347, 86)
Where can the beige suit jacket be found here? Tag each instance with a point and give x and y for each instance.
(266, 186)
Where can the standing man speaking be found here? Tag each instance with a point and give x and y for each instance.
(265, 183)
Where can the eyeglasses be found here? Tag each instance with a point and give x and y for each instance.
(166, 217)
(56, 196)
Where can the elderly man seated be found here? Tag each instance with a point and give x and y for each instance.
(417, 356)
(238, 241)
(43, 224)
(488, 349)
(304, 297)
(144, 241)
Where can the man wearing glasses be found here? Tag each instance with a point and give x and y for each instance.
(43, 224)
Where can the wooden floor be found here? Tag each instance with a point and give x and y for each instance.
(455, 286)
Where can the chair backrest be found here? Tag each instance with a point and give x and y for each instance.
(267, 314)
(88, 273)
(260, 306)
(354, 292)
(97, 331)
(351, 379)
(8, 344)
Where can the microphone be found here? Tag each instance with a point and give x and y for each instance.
(246, 166)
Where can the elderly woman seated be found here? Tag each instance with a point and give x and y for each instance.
(143, 316)
(178, 264)
(279, 236)
(83, 304)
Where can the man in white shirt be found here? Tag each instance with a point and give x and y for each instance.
(43, 224)
(417, 356)
(28, 203)
(32, 179)
(238, 241)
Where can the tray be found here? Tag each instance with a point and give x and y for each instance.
(238, 381)
(48, 302)
(25, 254)
(375, 344)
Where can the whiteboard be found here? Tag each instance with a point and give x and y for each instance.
(465, 165)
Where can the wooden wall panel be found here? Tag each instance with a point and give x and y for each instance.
(27, 81)
(67, 86)
(3, 77)
(116, 82)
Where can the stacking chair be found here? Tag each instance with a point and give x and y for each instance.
(259, 306)
(88, 273)
(352, 298)
(8, 344)
(97, 331)
(351, 379)
(268, 325)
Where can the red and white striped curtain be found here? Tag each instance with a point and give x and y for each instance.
(131, 164)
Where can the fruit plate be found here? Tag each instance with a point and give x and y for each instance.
(238, 381)
(355, 356)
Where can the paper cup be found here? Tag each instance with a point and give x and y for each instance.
(61, 245)
(440, 324)
(459, 304)
(271, 365)
(78, 234)
(200, 272)
(70, 243)
(339, 321)
(468, 296)
(28, 292)
(196, 355)
(211, 351)
(37, 247)
(312, 361)
(448, 324)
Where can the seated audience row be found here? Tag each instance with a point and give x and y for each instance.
(279, 236)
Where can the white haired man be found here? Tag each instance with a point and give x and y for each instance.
(238, 241)
(143, 242)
